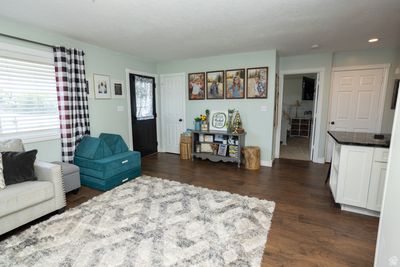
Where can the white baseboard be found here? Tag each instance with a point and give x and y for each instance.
(266, 163)
(320, 160)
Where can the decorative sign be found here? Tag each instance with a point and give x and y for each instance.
(219, 121)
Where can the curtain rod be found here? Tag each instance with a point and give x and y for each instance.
(26, 40)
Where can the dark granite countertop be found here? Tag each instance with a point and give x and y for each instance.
(360, 139)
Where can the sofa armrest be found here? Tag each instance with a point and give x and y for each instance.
(46, 171)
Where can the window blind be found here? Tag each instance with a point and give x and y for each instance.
(28, 99)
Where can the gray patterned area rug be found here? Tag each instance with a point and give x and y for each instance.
(148, 222)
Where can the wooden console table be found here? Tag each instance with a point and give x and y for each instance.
(234, 142)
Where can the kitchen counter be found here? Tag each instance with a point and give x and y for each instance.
(360, 139)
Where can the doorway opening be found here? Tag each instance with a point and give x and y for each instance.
(297, 120)
(143, 113)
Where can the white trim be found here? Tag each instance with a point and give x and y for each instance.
(128, 102)
(381, 103)
(266, 163)
(317, 114)
(162, 128)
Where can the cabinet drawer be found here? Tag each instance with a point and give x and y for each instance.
(381, 154)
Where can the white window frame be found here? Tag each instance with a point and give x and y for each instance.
(38, 56)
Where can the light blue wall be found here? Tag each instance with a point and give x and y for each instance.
(103, 113)
(258, 125)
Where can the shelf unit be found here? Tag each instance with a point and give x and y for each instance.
(215, 158)
(300, 127)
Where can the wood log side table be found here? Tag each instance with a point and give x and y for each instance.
(251, 157)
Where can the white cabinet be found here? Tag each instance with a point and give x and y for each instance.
(377, 183)
(358, 177)
(354, 175)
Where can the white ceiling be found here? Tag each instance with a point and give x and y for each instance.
(159, 30)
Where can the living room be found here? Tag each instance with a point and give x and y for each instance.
(297, 218)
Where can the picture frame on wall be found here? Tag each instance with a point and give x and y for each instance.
(196, 86)
(395, 93)
(118, 89)
(215, 82)
(257, 82)
(235, 81)
(219, 121)
(102, 87)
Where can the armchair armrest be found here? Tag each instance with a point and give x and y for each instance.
(46, 171)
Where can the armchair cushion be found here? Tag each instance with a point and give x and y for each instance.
(115, 143)
(92, 148)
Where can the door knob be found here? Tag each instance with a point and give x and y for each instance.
(332, 122)
(180, 119)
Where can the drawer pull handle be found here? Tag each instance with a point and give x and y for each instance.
(125, 161)
(124, 180)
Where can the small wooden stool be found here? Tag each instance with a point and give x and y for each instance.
(251, 157)
(186, 147)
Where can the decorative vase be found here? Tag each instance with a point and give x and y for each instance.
(197, 125)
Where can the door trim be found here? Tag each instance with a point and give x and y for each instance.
(162, 146)
(128, 102)
(317, 116)
(381, 104)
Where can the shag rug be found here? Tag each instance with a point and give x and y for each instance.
(148, 222)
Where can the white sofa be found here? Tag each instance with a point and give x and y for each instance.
(24, 202)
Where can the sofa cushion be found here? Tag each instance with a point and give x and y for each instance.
(92, 148)
(110, 166)
(17, 197)
(18, 166)
(14, 145)
(115, 142)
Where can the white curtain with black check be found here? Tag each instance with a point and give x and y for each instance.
(72, 99)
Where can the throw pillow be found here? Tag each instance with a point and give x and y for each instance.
(18, 166)
(2, 182)
(12, 145)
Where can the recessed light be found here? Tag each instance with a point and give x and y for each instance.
(314, 46)
(373, 40)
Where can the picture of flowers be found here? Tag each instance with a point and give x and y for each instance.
(257, 82)
(215, 84)
(235, 83)
(196, 86)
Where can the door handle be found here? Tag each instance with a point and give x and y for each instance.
(180, 119)
(332, 122)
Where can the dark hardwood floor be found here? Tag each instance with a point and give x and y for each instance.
(307, 229)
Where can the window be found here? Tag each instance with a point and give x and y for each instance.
(28, 96)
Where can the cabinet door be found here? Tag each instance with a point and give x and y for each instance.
(376, 186)
(354, 175)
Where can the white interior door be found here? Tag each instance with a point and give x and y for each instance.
(355, 102)
(172, 110)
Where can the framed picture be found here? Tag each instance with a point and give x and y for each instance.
(196, 86)
(235, 83)
(395, 93)
(102, 88)
(215, 84)
(118, 90)
(257, 82)
(222, 150)
(219, 120)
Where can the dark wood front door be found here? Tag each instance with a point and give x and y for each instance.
(143, 112)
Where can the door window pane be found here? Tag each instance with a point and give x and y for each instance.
(144, 98)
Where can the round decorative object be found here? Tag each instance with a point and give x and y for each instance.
(251, 157)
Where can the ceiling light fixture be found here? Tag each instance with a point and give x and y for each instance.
(314, 46)
(373, 40)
